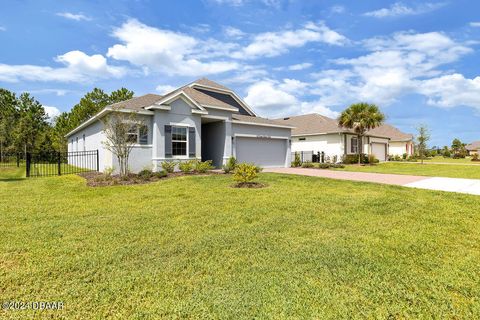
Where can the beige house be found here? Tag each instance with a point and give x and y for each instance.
(316, 133)
(473, 148)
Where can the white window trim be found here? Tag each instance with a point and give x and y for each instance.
(138, 135)
(354, 146)
(183, 126)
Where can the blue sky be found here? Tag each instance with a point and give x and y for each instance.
(417, 60)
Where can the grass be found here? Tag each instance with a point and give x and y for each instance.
(194, 247)
(467, 160)
(427, 169)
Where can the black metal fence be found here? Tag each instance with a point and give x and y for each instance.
(11, 160)
(310, 156)
(42, 164)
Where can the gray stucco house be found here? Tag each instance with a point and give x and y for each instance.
(201, 120)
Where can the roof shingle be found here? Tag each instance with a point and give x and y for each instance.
(475, 145)
(138, 103)
(317, 124)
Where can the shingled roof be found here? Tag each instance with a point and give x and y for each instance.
(259, 120)
(474, 146)
(311, 124)
(315, 123)
(393, 133)
(138, 103)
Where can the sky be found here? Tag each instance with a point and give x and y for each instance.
(418, 61)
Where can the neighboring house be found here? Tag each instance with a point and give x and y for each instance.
(317, 133)
(473, 148)
(400, 143)
(202, 120)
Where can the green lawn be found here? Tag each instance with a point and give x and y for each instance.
(467, 160)
(193, 247)
(413, 168)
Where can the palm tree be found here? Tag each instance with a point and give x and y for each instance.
(361, 117)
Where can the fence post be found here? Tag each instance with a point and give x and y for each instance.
(59, 162)
(98, 162)
(27, 164)
(18, 160)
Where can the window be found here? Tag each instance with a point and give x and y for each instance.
(132, 135)
(179, 141)
(76, 144)
(302, 139)
(138, 134)
(84, 147)
(143, 135)
(354, 145)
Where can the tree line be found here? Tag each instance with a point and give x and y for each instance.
(26, 127)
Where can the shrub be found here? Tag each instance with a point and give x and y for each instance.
(160, 174)
(475, 157)
(202, 167)
(338, 166)
(245, 173)
(324, 165)
(405, 156)
(145, 174)
(307, 164)
(186, 166)
(353, 159)
(230, 165)
(169, 166)
(296, 162)
(372, 159)
(108, 171)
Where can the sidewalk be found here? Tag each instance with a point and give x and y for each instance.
(468, 186)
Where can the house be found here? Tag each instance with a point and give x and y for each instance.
(473, 148)
(316, 133)
(201, 120)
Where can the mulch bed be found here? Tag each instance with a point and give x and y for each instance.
(97, 179)
(249, 185)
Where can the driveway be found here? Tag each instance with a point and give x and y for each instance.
(469, 186)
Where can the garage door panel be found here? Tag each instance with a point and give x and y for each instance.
(261, 151)
(379, 150)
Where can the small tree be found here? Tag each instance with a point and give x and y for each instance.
(118, 128)
(458, 149)
(422, 138)
(361, 117)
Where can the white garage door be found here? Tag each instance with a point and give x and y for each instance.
(379, 150)
(261, 151)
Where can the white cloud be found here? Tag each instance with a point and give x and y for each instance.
(163, 51)
(399, 9)
(271, 44)
(277, 99)
(74, 16)
(52, 112)
(300, 66)
(235, 3)
(3, 28)
(405, 63)
(79, 67)
(337, 9)
(475, 24)
(57, 92)
(452, 90)
(268, 99)
(165, 88)
(234, 33)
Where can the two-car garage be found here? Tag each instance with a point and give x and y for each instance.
(265, 152)
(263, 142)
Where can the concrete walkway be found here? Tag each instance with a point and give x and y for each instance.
(469, 186)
